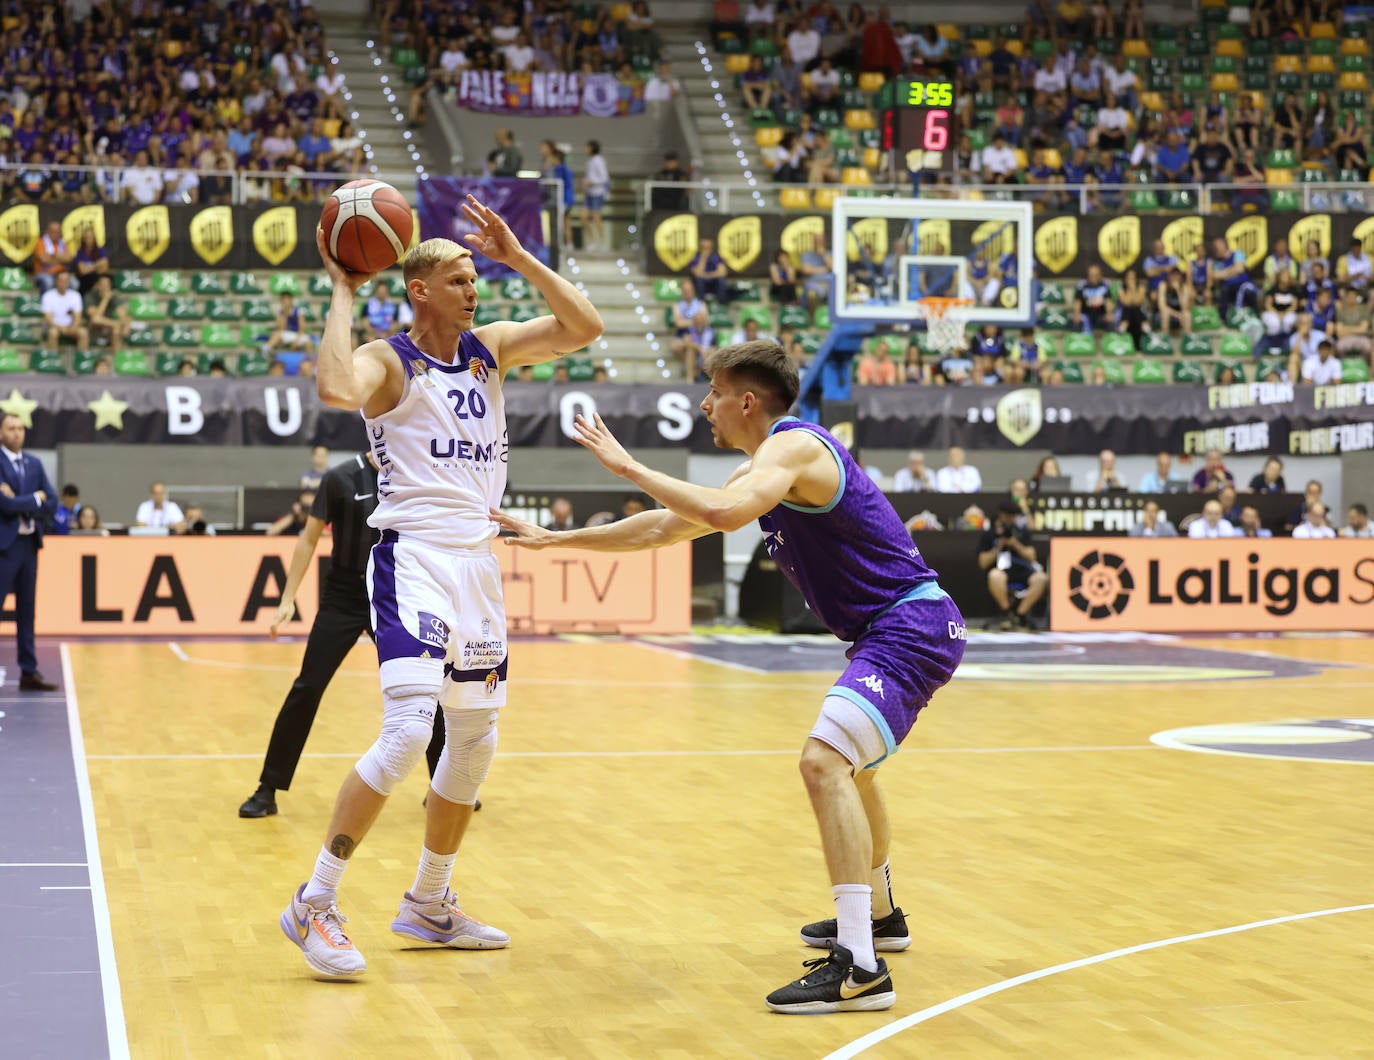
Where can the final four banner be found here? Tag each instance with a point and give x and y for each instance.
(1064, 246)
(172, 237)
(1245, 418)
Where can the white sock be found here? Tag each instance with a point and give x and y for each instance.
(324, 882)
(882, 891)
(433, 875)
(854, 916)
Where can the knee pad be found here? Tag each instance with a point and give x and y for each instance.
(469, 746)
(407, 725)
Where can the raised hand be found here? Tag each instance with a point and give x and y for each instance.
(527, 535)
(493, 237)
(596, 436)
(338, 275)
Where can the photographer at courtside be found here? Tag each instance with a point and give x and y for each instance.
(1016, 579)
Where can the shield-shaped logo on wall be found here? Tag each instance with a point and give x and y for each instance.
(675, 241)
(1020, 416)
(1056, 243)
(274, 234)
(1118, 243)
(740, 242)
(149, 233)
(212, 233)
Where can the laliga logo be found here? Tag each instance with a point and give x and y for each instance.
(1100, 585)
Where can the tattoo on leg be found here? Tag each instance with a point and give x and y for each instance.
(341, 846)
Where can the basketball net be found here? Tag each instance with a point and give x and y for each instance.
(946, 319)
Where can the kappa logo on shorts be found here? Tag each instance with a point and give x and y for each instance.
(493, 679)
(873, 683)
(433, 629)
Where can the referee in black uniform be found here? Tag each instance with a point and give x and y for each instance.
(346, 497)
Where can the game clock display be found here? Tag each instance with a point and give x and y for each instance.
(921, 126)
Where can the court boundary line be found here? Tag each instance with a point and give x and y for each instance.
(42, 865)
(116, 1031)
(1164, 741)
(882, 1034)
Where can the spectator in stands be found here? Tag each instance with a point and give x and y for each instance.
(915, 477)
(1230, 506)
(289, 334)
(140, 184)
(782, 279)
(804, 43)
(1314, 524)
(1107, 479)
(1153, 523)
(1173, 161)
(1353, 326)
(686, 309)
(759, 18)
(709, 272)
(1048, 467)
(1250, 176)
(504, 160)
(560, 515)
(749, 331)
(1312, 258)
(1210, 523)
(1214, 162)
(1042, 174)
(818, 273)
(958, 476)
(293, 522)
(1287, 124)
(88, 523)
(1159, 480)
(194, 524)
(65, 514)
(1280, 314)
(876, 367)
(1323, 370)
(825, 86)
(663, 86)
(1269, 480)
(1318, 281)
(1174, 301)
(1157, 266)
(1092, 302)
(64, 313)
(931, 49)
(158, 512)
(50, 256)
(999, 161)
(1016, 580)
(698, 343)
(1133, 309)
(90, 262)
(1212, 475)
(1353, 269)
(1312, 493)
(1232, 276)
(596, 186)
(1279, 260)
(1357, 522)
(1348, 146)
(379, 315)
(107, 319)
(1249, 524)
(1323, 310)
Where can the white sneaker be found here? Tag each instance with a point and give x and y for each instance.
(320, 935)
(445, 923)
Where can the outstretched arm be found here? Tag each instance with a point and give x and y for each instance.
(651, 529)
(574, 321)
(344, 378)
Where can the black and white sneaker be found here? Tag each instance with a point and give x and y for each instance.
(834, 984)
(889, 934)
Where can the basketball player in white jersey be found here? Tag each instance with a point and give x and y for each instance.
(432, 403)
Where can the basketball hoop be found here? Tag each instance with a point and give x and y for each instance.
(946, 319)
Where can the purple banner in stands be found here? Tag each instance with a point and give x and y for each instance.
(550, 95)
(516, 200)
(1244, 418)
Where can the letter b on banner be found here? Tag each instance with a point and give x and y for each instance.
(184, 415)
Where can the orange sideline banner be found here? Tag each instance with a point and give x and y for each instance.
(176, 586)
(1241, 585)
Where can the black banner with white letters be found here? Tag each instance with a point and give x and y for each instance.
(1244, 418)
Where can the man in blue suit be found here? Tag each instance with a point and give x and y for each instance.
(27, 501)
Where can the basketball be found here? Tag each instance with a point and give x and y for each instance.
(367, 225)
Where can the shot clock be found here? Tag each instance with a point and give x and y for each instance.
(921, 126)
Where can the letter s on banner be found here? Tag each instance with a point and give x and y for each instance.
(283, 428)
(571, 405)
(184, 415)
(676, 412)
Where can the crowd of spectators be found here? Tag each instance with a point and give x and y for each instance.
(168, 101)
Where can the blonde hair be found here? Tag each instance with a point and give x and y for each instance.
(429, 255)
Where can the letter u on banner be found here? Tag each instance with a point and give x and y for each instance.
(291, 424)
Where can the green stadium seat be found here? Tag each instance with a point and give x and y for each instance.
(1255, 82)
(1144, 199)
(1354, 370)
(1118, 344)
(791, 316)
(1053, 294)
(1322, 46)
(10, 361)
(84, 361)
(218, 336)
(721, 320)
(1157, 345)
(1147, 372)
(821, 317)
(1191, 64)
(319, 285)
(1352, 64)
(1238, 369)
(1282, 159)
(1291, 46)
(843, 140)
(1196, 346)
(1321, 82)
(1054, 318)
(1240, 315)
(1047, 345)
(1235, 345)
(223, 309)
(1167, 49)
(132, 362)
(757, 313)
(542, 373)
(1192, 83)
(28, 306)
(1188, 372)
(1077, 344)
(19, 334)
(166, 281)
(284, 283)
(1223, 64)
(1206, 318)
(1263, 47)
(259, 311)
(1073, 372)
(131, 283)
(1285, 200)
(485, 314)
(179, 336)
(828, 117)
(142, 338)
(147, 307)
(215, 283)
(244, 283)
(1113, 370)
(810, 343)
(1179, 199)
(182, 308)
(1311, 175)
(580, 370)
(253, 364)
(168, 363)
(13, 278)
(515, 288)
(524, 311)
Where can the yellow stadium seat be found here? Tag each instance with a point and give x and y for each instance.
(795, 198)
(331, 127)
(1321, 64)
(737, 63)
(1053, 158)
(1136, 49)
(1354, 81)
(981, 48)
(855, 176)
(1152, 101)
(1016, 47)
(1288, 64)
(1225, 83)
(949, 31)
(1278, 176)
(1354, 46)
(873, 157)
(871, 80)
(825, 198)
(768, 137)
(1231, 48)
(1322, 31)
(1021, 160)
(859, 119)
(806, 82)
(172, 49)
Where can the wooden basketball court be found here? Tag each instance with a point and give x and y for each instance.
(648, 844)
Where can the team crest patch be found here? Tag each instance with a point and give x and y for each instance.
(491, 682)
(478, 368)
(420, 369)
(433, 630)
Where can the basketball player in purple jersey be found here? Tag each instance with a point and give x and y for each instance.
(839, 541)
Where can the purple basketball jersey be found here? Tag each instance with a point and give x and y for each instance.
(852, 559)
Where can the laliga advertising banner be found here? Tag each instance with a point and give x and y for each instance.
(1235, 585)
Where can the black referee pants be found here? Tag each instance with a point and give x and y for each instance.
(343, 614)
